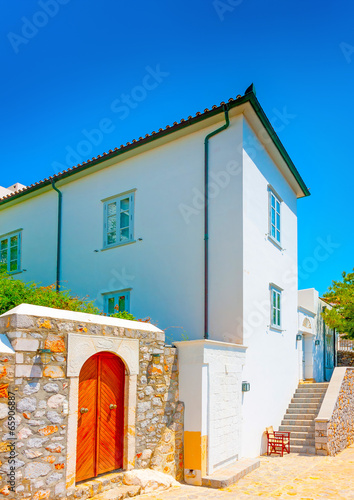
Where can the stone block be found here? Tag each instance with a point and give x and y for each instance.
(34, 470)
(53, 371)
(28, 345)
(27, 404)
(28, 371)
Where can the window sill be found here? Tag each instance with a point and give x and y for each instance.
(12, 273)
(118, 245)
(275, 242)
(276, 328)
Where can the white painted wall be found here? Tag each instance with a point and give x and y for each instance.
(210, 379)
(165, 269)
(272, 356)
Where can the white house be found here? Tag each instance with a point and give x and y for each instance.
(317, 342)
(132, 230)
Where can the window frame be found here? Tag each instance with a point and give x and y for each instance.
(117, 199)
(278, 308)
(116, 295)
(8, 237)
(277, 228)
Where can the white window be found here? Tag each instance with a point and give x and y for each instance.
(10, 252)
(275, 307)
(274, 216)
(117, 302)
(119, 220)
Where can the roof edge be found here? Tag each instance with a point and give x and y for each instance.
(232, 103)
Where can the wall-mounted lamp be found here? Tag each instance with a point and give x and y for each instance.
(156, 358)
(299, 336)
(46, 355)
(246, 386)
(317, 342)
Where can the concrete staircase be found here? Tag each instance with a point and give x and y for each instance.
(300, 416)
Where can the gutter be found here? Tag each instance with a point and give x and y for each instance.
(206, 219)
(60, 209)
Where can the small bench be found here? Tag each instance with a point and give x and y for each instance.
(277, 442)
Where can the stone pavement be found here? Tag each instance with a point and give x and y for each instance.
(303, 477)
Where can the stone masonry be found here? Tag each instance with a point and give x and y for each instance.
(39, 425)
(345, 358)
(335, 433)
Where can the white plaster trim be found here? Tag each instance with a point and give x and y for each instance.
(82, 347)
(5, 345)
(210, 343)
(307, 311)
(49, 312)
(306, 333)
(332, 394)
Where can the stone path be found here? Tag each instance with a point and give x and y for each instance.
(303, 477)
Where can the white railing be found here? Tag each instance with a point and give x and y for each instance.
(345, 344)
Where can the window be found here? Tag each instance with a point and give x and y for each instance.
(118, 220)
(10, 252)
(274, 216)
(275, 307)
(117, 302)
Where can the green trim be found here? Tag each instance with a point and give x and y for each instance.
(249, 97)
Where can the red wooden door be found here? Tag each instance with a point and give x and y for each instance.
(100, 436)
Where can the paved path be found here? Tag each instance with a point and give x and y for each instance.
(302, 477)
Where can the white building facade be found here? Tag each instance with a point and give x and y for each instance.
(132, 237)
(316, 341)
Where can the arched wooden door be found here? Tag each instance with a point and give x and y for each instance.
(100, 438)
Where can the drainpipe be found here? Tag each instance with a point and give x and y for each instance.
(60, 204)
(206, 220)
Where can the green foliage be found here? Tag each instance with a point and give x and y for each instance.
(341, 295)
(123, 315)
(14, 292)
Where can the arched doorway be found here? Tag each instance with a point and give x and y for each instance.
(100, 431)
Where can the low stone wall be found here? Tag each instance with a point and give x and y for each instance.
(345, 358)
(37, 441)
(334, 426)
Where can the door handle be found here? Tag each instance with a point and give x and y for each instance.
(84, 410)
(112, 407)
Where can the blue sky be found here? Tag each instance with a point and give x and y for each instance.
(68, 71)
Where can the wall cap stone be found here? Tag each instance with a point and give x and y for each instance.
(49, 312)
(332, 393)
(209, 343)
(5, 345)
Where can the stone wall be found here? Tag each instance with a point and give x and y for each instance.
(159, 427)
(334, 426)
(345, 358)
(42, 403)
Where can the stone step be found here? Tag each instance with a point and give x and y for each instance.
(302, 409)
(302, 442)
(118, 493)
(308, 450)
(230, 475)
(313, 400)
(310, 390)
(299, 416)
(297, 404)
(297, 428)
(301, 435)
(296, 422)
(315, 384)
(100, 484)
